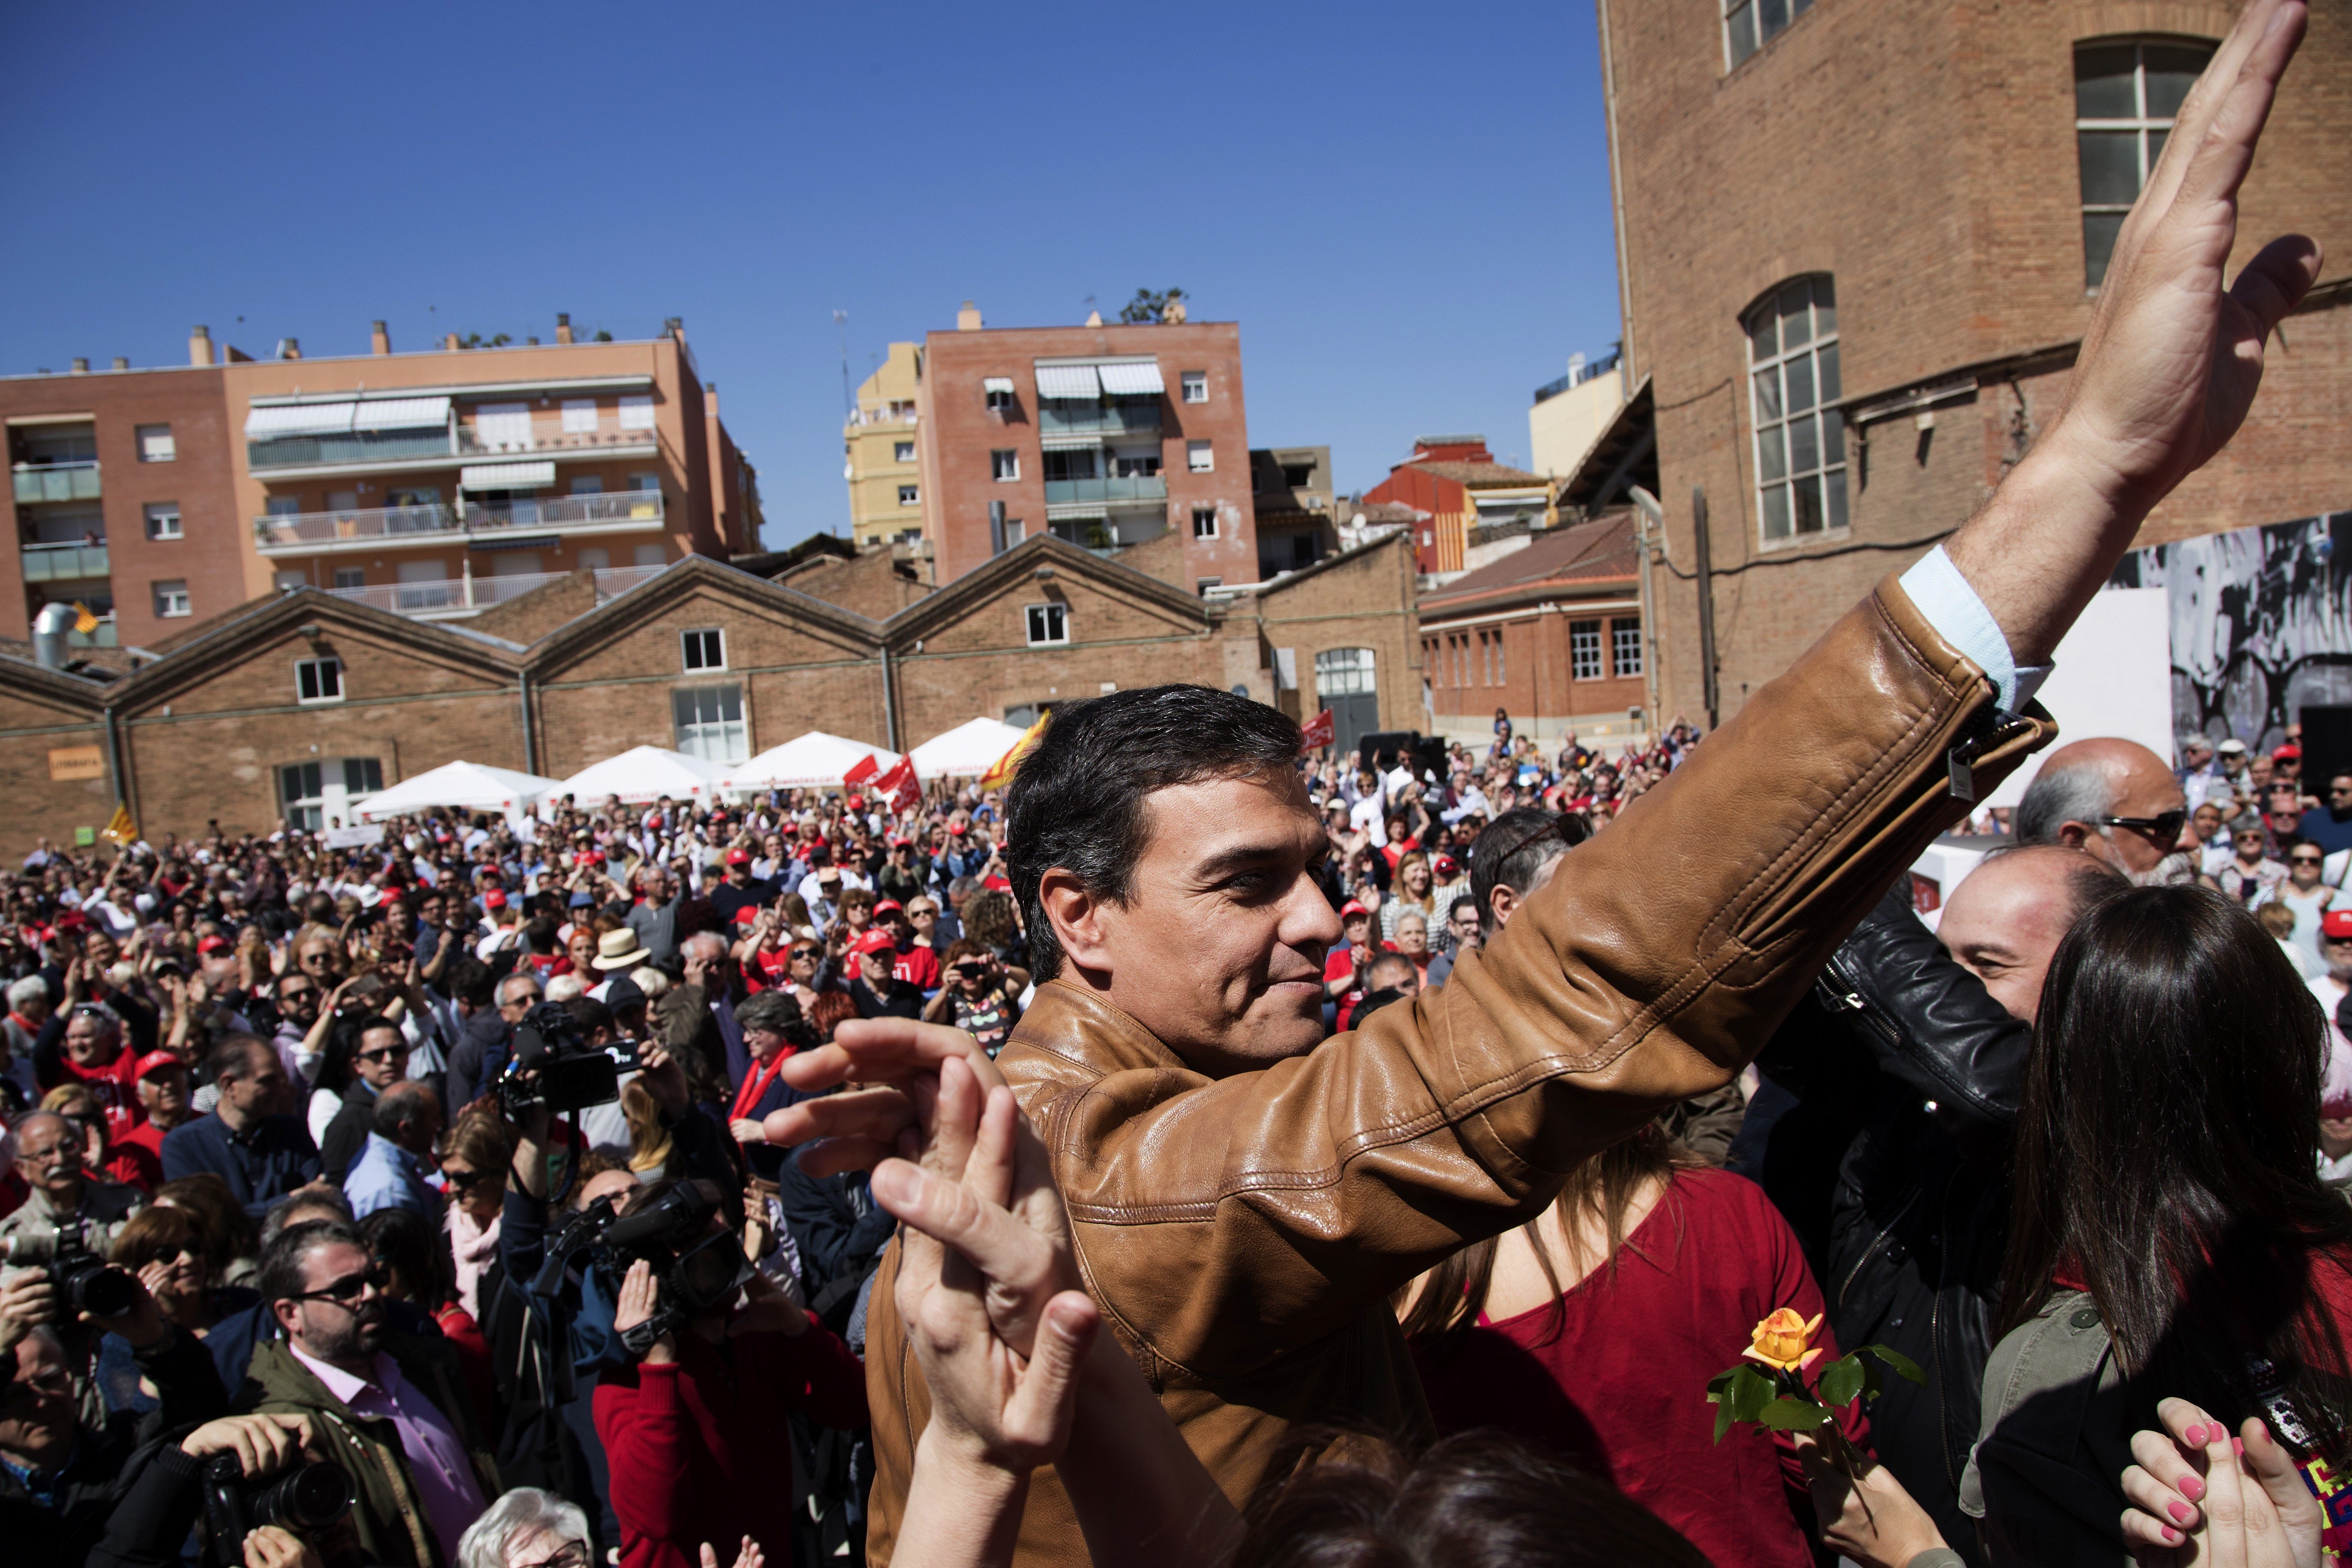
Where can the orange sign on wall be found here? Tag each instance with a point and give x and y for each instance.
(68, 764)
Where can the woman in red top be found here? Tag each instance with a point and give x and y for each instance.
(696, 1434)
(1594, 1330)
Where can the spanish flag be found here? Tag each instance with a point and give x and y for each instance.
(84, 622)
(119, 829)
(1001, 774)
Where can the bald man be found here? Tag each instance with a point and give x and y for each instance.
(2116, 801)
(2004, 921)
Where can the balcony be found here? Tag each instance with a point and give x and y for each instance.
(283, 457)
(459, 598)
(37, 482)
(1057, 417)
(1107, 491)
(64, 562)
(326, 532)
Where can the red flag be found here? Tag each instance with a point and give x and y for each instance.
(1319, 731)
(861, 772)
(900, 785)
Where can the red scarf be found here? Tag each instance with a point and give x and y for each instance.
(756, 1082)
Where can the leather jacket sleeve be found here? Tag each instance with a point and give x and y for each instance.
(1224, 1224)
(1929, 1022)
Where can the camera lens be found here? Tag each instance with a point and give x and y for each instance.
(312, 1494)
(100, 1291)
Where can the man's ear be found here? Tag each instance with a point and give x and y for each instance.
(1501, 901)
(2074, 835)
(1076, 914)
(287, 1313)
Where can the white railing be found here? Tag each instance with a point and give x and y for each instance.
(453, 597)
(294, 532)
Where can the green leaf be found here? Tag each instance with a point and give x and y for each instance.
(1873, 1377)
(1840, 1381)
(1720, 1382)
(1903, 1364)
(1792, 1415)
(1750, 1393)
(1722, 1419)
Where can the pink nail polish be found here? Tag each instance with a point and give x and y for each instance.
(2180, 1511)
(2192, 1488)
(2237, 1445)
(2171, 1534)
(2194, 1436)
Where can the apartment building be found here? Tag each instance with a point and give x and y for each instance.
(1458, 483)
(1108, 436)
(1570, 414)
(1860, 245)
(885, 473)
(1297, 505)
(434, 484)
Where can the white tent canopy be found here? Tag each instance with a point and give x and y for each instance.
(643, 774)
(967, 750)
(813, 760)
(468, 786)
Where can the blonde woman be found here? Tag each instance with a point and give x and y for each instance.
(1414, 891)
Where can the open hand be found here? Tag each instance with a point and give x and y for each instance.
(751, 1556)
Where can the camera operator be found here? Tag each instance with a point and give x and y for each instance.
(394, 1405)
(488, 1034)
(64, 1196)
(689, 1432)
(64, 1464)
(148, 1526)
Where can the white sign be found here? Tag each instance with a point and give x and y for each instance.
(352, 837)
(2113, 677)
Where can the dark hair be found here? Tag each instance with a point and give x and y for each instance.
(2166, 1155)
(471, 982)
(1459, 904)
(233, 1057)
(412, 1244)
(590, 1015)
(158, 1231)
(1077, 803)
(1372, 1003)
(1396, 964)
(1478, 1499)
(538, 933)
(400, 1107)
(229, 1233)
(1512, 850)
(281, 1277)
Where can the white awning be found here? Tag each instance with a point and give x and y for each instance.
(1068, 381)
(403, 414)
(506, 476)
(1131, 380)
(996, 383)
(298, 419)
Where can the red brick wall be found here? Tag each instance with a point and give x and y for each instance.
(33, 723)
(1538, 678)
(1446, 499)
(1364, 601)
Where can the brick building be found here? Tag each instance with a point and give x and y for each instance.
(1550, 632)
(1458, 483)
(434, 484)
(1297, 505)
(293, 705)
(1859, 246)
(1105, 436)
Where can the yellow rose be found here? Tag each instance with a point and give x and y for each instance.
(1783, 1340)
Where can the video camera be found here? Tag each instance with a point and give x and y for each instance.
(571, 1074)
(83, 1281)
(694, 1268)
(308, 1498)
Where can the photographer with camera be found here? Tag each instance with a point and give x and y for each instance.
(65, 1197)
(390, 1407)
(247, 1479)
(722, 1358)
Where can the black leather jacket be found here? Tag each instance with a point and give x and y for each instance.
(1904, 1074)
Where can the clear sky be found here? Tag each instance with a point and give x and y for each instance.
(1405, 208)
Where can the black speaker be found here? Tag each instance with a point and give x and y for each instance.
(2326, 746)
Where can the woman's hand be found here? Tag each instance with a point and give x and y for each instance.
(2196, 1500)
(640, 1299)
(1879, 1525)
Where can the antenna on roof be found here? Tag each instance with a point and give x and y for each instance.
(848, 403)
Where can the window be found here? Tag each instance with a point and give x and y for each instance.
(587, 485)
(1204, 522)
(1199, 458)
(579, 416)
(503, 427)
(1004, 465)
(1502, 675)
(163, 519)
(1048, 624)
(1625, 646)
(1078, 463)
(645, 482)
(1141, 465)
(705, 650)
(1200, 585)
(1485, 660)
(1298, 475)
(710, 720)
(637, 411)
(156, 444)
(909, 495)
(171, 599)
(363, 776)
(301, 797)
(1196, 385)
(1747, 24)
(1344, 672)
(351, 577)
(319, 680)
(2125, 95)
(1461, 661)
(1792, 354)
(1000, 394)
(1584, 650)
(283, 506)
(902, 452)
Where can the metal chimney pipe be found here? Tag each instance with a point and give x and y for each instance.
(49, 628)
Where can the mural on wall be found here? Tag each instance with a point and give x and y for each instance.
(2262, 623)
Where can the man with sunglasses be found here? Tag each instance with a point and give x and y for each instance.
(378, 1060)
(2115, 800)
(2306, 892)
(402, 1426)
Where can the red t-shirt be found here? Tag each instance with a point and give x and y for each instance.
(1623, 1388)
(137, 1157)
(918, 964)
(115, 1085)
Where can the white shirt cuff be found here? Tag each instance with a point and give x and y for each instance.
(1952, 607)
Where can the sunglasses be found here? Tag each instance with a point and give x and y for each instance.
(466, 1181)
(2163, 825)
(376, 1276)
(798, 954)
(2303, 860)
(388, 1054)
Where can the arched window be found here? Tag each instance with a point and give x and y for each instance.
(2127, 91)
(1792, 362)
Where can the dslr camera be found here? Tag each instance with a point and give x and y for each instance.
(310, 1499)
(694, 1268)
(569, 1074)
(84, 1281)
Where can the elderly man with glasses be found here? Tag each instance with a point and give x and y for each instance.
(65, 1195)
(404, 1433)
(2119, 802)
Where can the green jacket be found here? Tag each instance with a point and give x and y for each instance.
(387, 1515)
(2046, 1479)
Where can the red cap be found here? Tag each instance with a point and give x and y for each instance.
(956, 828)
(1351, 909)
(876, 942)
(739, 856)
(899, 843)
(747, 914)
(212, 945)
(1447, 866)
(155, 1059)
(856, 803)
(494, 899)
(2336, 925)
(73, 920)
(889, 907)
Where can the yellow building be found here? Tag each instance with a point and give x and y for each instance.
(886, 499)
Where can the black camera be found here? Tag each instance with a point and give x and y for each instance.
(308, 1498)
(694, 1268)
(570, 1073)
(83, 1281)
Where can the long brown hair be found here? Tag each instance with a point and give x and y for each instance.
(1603, 1188)
(2166, 1157)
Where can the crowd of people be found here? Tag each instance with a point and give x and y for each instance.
(1207, 1152)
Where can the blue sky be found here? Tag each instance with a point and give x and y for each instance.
(1406, 209)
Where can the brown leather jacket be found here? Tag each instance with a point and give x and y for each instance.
(1244, 1234)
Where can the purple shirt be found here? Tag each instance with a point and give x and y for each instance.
(437, 1455)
